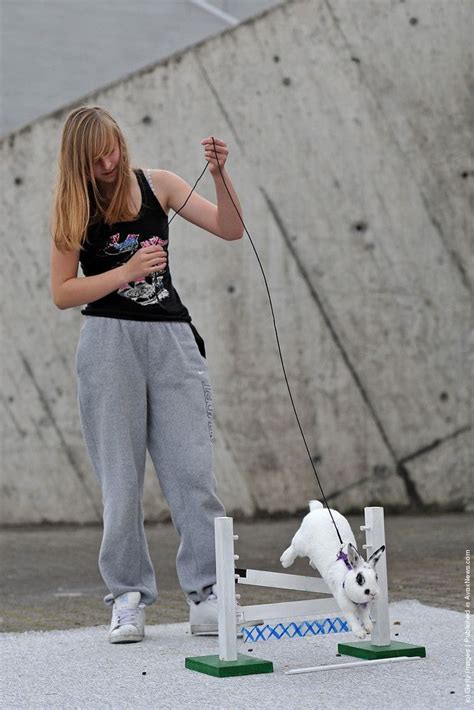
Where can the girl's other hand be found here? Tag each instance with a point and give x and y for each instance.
(145, 261)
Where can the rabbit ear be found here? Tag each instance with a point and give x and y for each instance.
(374, 558)
(353, 555)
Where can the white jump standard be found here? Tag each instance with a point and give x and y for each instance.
(229, 662)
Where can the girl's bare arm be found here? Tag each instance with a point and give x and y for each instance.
(68, 290)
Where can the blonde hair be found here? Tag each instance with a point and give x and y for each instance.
(89, 132)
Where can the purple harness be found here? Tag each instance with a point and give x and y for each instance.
(342, 556)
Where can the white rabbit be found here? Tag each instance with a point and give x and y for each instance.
(352, 580)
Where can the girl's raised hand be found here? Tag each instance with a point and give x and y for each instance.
(210, 150)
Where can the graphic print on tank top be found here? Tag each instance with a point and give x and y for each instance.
(143, 291)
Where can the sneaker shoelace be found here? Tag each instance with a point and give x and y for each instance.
(128, 615)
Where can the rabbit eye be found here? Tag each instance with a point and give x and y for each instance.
(377, 577)
(367, 591)
(360, 579)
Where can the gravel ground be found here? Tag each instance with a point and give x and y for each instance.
(80, 669)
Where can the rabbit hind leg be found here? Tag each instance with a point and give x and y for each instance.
(289, 556)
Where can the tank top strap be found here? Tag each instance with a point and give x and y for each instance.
(146, 181)
(147, 173)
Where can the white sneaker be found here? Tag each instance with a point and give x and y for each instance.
(128, 619)
(203, 616)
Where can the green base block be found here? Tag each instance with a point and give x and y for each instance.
(212, 665)
(365, 649)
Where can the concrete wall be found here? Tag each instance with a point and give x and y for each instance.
(350, 137)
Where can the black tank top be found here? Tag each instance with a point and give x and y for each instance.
(152, 298)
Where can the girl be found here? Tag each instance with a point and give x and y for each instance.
(142, 376)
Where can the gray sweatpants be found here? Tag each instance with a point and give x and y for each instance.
(144, 384)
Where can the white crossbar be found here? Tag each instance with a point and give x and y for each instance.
(283, 610)
(360, 664)
(262, 578)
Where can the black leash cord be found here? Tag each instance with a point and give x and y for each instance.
(274, 325)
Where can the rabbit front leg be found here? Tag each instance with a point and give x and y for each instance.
(350, 611)
(364, 616)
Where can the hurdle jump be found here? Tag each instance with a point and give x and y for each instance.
(317, 609)
(229, 662)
